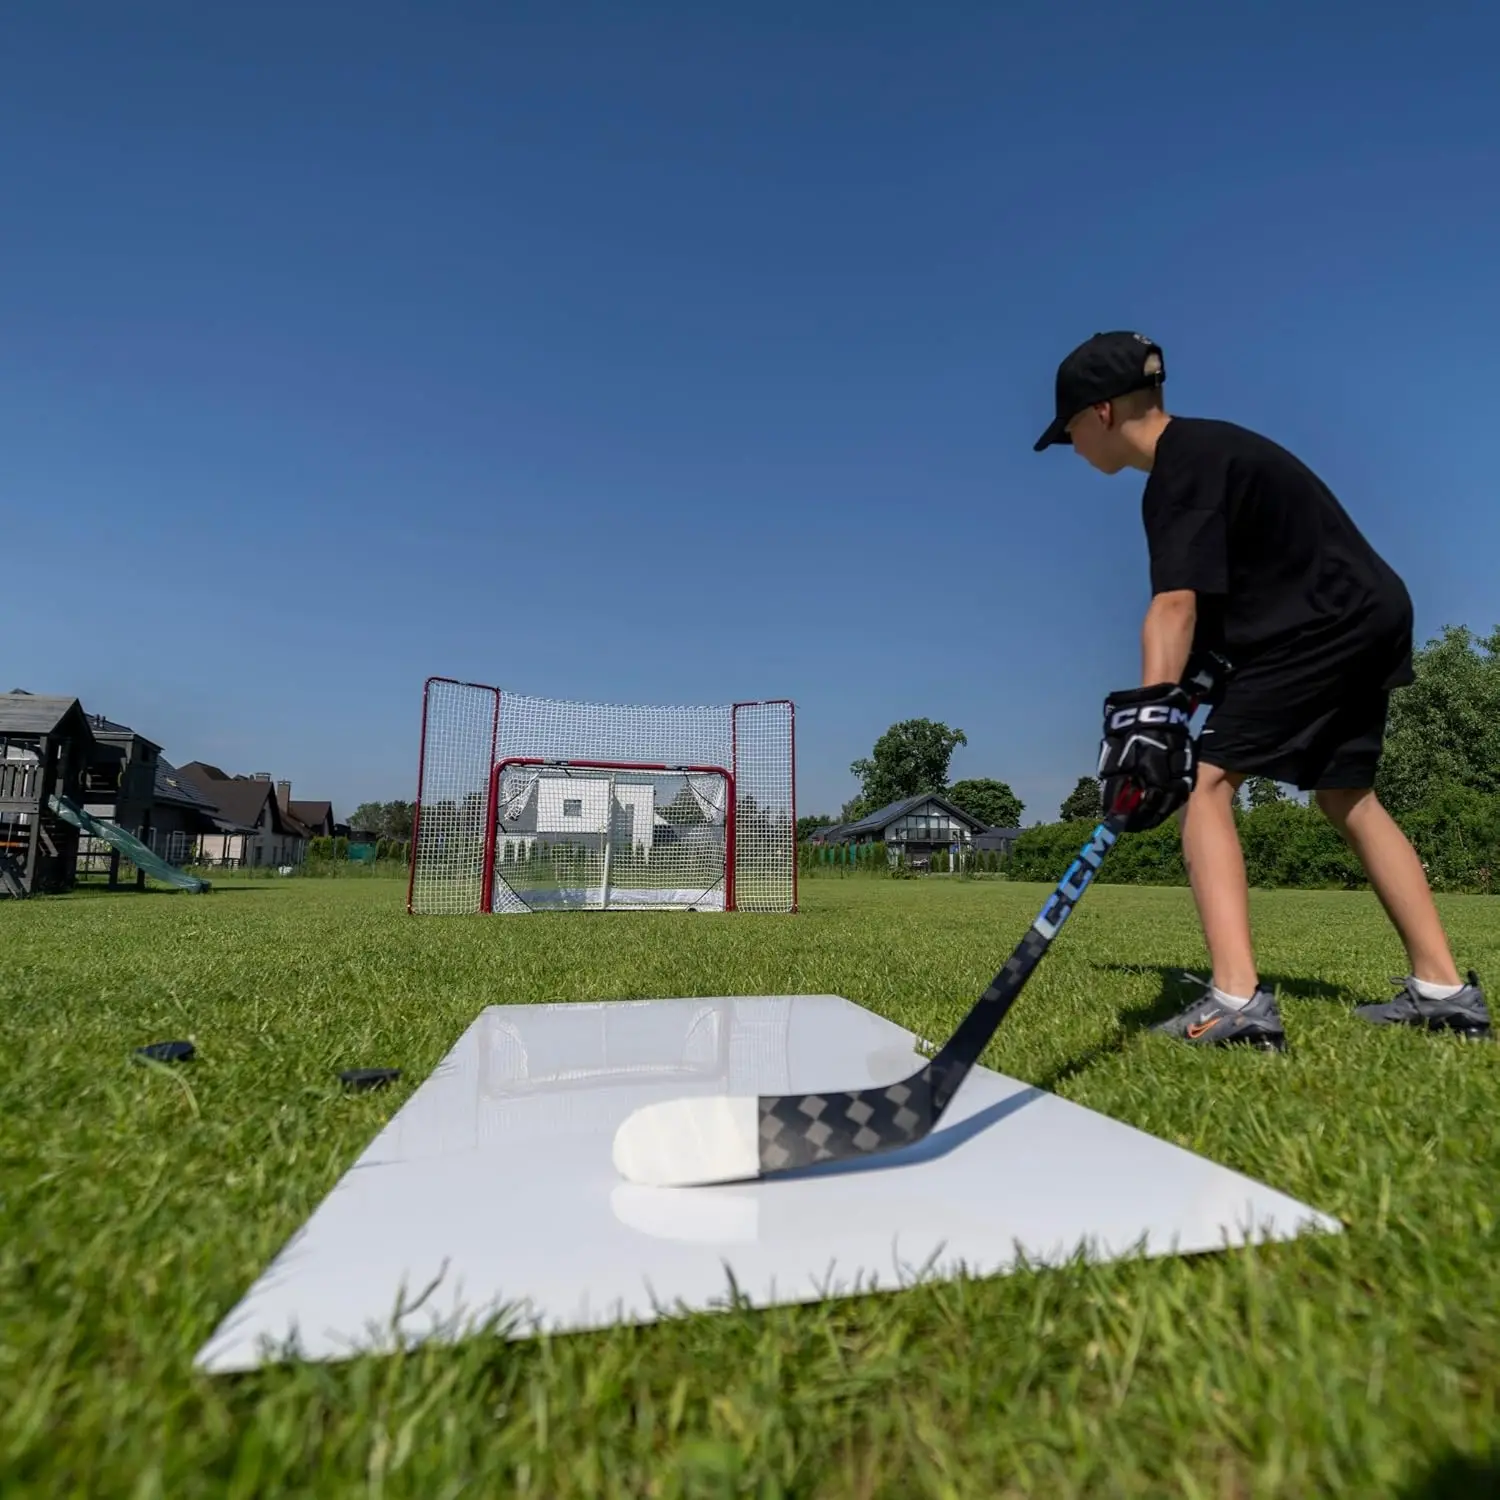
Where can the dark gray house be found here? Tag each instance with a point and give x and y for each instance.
(182, 815)
(119, 786)
(914, 828)
(121, 778)
(999, 839)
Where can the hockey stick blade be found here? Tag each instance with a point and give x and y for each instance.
(697, 1140)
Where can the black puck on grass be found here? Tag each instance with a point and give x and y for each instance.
(167, 1051)
(368, 1078)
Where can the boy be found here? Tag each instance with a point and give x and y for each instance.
(1253, 557)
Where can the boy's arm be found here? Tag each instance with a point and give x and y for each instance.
(1167, 636)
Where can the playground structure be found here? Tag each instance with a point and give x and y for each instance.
(527, 804)
(54, 760)
(45, 747)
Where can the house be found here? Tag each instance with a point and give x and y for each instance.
(120, 782)
(1001, 839)
(827, 834)
(46, 746)
(183, 816)
(580, 812)
(315, 817)
(915, 827)
(128, 783)
(123, 786)
(252, 827)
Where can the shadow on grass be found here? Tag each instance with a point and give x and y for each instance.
(129, 893)
(1459, 1476)
(1176, 991)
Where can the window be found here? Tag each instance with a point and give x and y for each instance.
(572, 807)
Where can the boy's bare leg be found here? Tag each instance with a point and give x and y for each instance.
(1398, 878)
(1234, 1008)
(1216, 869)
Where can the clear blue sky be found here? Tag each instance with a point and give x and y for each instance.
(679, 353)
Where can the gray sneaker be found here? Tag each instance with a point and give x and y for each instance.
(1208, 1023)
(1466, 1013)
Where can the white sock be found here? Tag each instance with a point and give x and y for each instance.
(1233, 1002)
(1430, 991)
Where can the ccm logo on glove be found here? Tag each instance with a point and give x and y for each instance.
(1152, 713)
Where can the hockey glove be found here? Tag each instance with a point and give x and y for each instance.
(1147, 742)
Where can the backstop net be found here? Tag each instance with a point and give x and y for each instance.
(528, 804)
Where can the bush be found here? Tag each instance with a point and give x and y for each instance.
(1288, 844)
(1153, 857)
(1457, 834)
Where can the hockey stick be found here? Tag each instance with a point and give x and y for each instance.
(731, 1138)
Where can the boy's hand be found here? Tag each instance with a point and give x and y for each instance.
(1147, 741)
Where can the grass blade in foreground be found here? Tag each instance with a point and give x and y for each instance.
(730, 1138)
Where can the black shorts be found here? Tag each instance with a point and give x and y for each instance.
(1311, 730)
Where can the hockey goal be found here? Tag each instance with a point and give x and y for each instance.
(532, 804)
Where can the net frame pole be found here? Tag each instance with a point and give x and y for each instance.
(791, 731)
(492, 812)
(416, 812)
(609, 842)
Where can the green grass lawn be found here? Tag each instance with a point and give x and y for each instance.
(138, 1203)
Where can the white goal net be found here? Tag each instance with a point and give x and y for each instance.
(612, 834)
(531, 804)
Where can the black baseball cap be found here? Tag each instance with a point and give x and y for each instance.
(1099, 369)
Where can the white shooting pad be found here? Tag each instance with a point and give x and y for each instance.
(494, 1182)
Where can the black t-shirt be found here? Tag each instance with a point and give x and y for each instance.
(1285, 580)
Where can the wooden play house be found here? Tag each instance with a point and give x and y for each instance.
(45, 747)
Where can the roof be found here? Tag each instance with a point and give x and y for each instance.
(38, 713)
(239, 799)
(824, 833)
(311, 814)
(884, 816)
(173, 787)
(294, 825)
(107, 729)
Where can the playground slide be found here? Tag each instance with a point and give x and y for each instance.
(132, 848)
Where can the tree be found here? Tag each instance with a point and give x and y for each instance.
(1444, 728)
(386, 820)
(810, 824)
(910, 758)
(685, 809)
(855, 808)
(1261, 791)
(1086, 800)
(992, 802)
(369, 817)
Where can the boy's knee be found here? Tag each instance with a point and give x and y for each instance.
(1215, 783)
(1337, 803)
